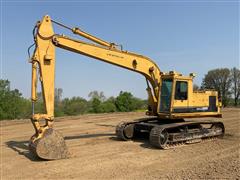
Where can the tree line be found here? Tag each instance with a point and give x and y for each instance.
(14, 106)
(97, 103)
(226, 82)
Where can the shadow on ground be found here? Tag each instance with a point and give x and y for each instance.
(143, 138)
(82, 136)
(21, 147)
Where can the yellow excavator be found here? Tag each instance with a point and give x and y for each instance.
(171, 98)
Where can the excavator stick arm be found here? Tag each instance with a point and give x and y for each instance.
(43, 65)
(46, 143)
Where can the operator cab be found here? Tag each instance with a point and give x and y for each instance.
(174, 88)
(177, 98)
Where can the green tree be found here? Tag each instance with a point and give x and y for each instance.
(39, 105)
(58, 95)
(58, 106)
(97, 101)
(4, 85)
(97, 95)
(220, 80)
(125, 102)
(109, 105)
(74, 106)
(12, 105)
(96, 106)
(139, 104)
(235, 77)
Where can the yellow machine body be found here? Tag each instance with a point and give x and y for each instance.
(170, 95)
(184, 102)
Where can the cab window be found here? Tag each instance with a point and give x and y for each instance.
(166, 93)
(181, 91)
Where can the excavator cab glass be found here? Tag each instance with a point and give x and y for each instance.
(179, 93)
(181, 90)
(166, 93)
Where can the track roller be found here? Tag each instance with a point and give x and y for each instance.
(219, 129)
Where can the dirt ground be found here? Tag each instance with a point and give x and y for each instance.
(96, 154)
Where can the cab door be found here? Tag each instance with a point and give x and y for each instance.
(180, 102)
(166, 94)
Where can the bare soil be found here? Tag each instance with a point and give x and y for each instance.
(95, 153)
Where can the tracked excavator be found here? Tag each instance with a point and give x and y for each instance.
(171, 98)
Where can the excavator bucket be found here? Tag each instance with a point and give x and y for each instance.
(50, 146)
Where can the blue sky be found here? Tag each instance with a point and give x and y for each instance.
(185, 36)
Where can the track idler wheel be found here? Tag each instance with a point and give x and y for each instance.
(50, 146)
(158, 137)
(125, 131)
(219, 129)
